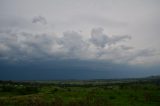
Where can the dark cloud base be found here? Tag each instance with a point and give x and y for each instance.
(71, 69)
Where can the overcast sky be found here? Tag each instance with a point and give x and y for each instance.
(90, 35)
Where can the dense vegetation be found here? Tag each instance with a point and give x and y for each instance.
(129, 92)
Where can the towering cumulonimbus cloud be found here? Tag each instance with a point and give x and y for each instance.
(27, 46)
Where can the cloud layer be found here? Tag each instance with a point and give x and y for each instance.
(27, 46)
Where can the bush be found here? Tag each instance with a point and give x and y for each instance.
(57, 101)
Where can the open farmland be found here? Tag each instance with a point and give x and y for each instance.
(123, 92)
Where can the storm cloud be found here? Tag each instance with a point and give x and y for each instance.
(71, 39)
(27, 46)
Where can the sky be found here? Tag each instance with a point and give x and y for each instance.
(79, 39)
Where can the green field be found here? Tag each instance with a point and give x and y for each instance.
(128, 92)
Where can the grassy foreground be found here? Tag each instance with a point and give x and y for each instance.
(137, 92)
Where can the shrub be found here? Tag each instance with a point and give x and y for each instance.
(57, 101)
